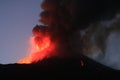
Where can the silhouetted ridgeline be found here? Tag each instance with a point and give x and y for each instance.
(56, 68)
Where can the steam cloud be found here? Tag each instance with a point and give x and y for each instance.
(73, 26)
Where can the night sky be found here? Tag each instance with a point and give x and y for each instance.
(17, 18)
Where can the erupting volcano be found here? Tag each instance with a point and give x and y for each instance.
(62, 44)
(68, 28)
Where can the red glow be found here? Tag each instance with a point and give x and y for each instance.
(41, 48)
(81, 63)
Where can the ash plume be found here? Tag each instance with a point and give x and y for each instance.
(71, 24)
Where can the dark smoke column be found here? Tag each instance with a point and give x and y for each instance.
(64, 20)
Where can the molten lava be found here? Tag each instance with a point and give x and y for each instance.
(41, 48)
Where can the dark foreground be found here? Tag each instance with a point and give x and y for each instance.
(54, 68)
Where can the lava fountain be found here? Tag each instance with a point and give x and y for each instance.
(41, 47)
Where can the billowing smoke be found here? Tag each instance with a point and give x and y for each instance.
(78, 27)
(82, 27)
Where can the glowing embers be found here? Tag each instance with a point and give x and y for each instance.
(41, 48)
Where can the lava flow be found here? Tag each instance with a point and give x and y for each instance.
(41, 48)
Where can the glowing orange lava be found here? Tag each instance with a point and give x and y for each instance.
(41, 48)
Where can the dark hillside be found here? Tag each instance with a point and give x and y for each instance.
(56, 68)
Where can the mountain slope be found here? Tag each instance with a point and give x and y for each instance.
(55, 68)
